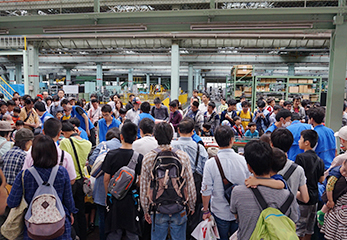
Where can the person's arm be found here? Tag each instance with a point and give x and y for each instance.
(302, 194)
(205, 210)
(321, 179)
(107, 178)
(329, 190)
(86, 121)
(253, 182)
(67, 195)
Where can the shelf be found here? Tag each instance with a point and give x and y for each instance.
(302, 83)
(261, 83)
(280, 92)
(304, 93)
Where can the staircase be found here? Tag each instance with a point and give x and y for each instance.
(6, 89)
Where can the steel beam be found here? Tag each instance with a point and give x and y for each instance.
(130, 80)
(12, 76)
(18, 69)
(175, 71)
(148, 82)
(197, 79)
(99, 78)
(68, 76)
(26, 71)
(190, 80)
(34, 78)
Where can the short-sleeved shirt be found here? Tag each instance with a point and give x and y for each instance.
(280, 177)
(314, 169)
(13, 163)
(78, 112)
(326, 146)
(296, 128)
(297, 179)
(272, 128)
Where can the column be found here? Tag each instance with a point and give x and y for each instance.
(202, 84)
(26, 71)
(148, 82)
(337, 74)
(12, 76)
(130, 80)
(97, 6)
(99, 77)
(197, 79)
(159, 80)
(33, 70)
(19, 79)
(190, 80)
(117, 79)
(291, 69)
(68, 76)
(175, 71)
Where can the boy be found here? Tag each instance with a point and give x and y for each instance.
(15, 115)
(230, 112)
(314, 172)
(223, 106)
(252, 131)
(19, 125)
(107, 122)
(206, 130)
(77, 124)
(59, 115)
(238, 128)
(122, 214)
(245, 114)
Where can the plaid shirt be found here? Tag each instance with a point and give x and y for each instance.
(13, 163)
(147, 165)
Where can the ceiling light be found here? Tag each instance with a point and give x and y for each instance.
(4, 31)
(97, 28)
(245, 26)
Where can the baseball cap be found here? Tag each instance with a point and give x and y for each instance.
(5, 126)
(24, 134)
(136, 100)
(342, 133)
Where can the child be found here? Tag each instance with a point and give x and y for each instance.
(223, 106)
(19, 125)
(334, 174)
(276, 181)
(252, 131)
(59, 115)
(122, 113)
(67, 115)
(238, 128)
(206, 130)
(314, 172)
(15, 114)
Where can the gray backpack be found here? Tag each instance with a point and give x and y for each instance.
(123, 179)
(45, 218)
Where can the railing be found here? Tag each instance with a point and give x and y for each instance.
(6, 89)
(12, 42)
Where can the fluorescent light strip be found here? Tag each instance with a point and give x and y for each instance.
(79, 29)
(4, 31)
(250, 26)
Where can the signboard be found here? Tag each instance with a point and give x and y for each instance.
(70, 89)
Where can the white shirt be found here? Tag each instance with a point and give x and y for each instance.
(203, 107)
(145, 144)
(132, 115)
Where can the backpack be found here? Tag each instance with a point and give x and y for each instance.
(272, 223)
(123, 179)
(45, 218)
(96, 169)
(168, 193)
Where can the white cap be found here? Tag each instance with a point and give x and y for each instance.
(342, 133)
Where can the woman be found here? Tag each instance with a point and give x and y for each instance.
(118, 106)
(28, 115)
(45, 157)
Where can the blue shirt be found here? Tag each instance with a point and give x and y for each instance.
(335, 171)
(74, 113)
(271, 128)
(252, 135)
(280, 177)
(44, 117)
(196, 137)
(140, 117)
(326, 146)
(103, 128)
(296, 128)
(83, 134)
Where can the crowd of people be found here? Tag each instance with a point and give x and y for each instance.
(146, 173)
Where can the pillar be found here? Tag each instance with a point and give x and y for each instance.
(291, 69)
(159, 80)
(190, 80)
(97, 6)
(197, 79)
(19, 79)
(117, 79)
(99, 77)
(148, 83)
(68, 76)
(175, 71)
(202, 84)
(12, 76)
(33, 70)
(130, 80)
(337, 74)
(26, 71)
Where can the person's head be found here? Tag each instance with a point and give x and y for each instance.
(186, 126)
(242, 98)
(131, 97)
(67, 128)
(136, 103)
(23, 139)
(44, 152)
(210, 107)
(237, 120)
(59, 114)
(266, 137)
(194, 106)
(281, 102)
(223, 101)
(260, 105)
(56, 100)
(316, 115)
(128, 133)
(342, 134)
(19, 124)
(296, 101)
(173, 106)
(287, 105)
(113, 133)
(295, 116)
(271, 102)
(308, 139)
(28, 103)
(52, 127)
(205, 98)
(16, 101)
(61, 93)
(5, 129)
(145, 107)
(122, 112)
(66, 104)
(40, 108)
(259, 157)
(231, 105)
(115, 97)
(37, 99)
(72, 101)
(16, 94)
(44, 94)
(282, 138)
(118, 105)
(48, 101)
(3, 107)
(95, 103)
(106, 112)
(224, 136)
(146, 126)
(163, 133)
(306, 104)
(195, 93)
(252, 126)
(10, 105)
(75, 121)
(277, 108)
(279, 160)
(284, 116)
(157, 102)
(245, 106)
(206, 127)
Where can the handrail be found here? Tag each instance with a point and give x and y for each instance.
(7, 84)
(6, 92)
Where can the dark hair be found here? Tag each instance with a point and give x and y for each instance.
(19, 123)
(122, 111)
(259, 156)
(131, 95)
(44, 152)
(242, 97)
(195, 103)
(244, 103)
(287, 103)
(94, 100)
(11, 103)
(236, 118)
(295, 116)
(311, 136)
(55, 98)
(106, 108)
(52, 127)
(121, 104)
(163, 133)
(173, 104)
(279, 160)
(146, 125)
(195, 91)
(93, 95)
(15, 93)
(305, 102)
(64, 101)
(157, 100)
(21, 144)
(145, 107)
(75, 121)
(266, 137)
(207, 126)
(282, 138)
(223, 135)
(317, 113)
(269, 100)
(212, 104)
(129, 132)
(16, 109)
(28, 100)
(296, 97)
(283, 113)
(79, 102)
(4, 134)
(206, 95)
(67, 126)
(277, 107)
(251, 124)
(260, 103)
(61, 90)
(186, 126)
(231, 102)
(113, 133)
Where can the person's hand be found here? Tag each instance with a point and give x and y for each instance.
(227, 116)
(251, 182)
(148, 218)
(191, 212)
(72, 219)
(330, 204)
(206, 215)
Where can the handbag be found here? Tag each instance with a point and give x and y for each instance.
(13, 227)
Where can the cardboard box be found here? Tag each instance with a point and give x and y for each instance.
(293, 81)
(247, 89)
(303, 89)
(310, 81)
(238, 93)
(302, 80)
(244, 70)
(293, 89)
(314, 98)
(306, 97)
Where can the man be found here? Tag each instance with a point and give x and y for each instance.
(245, 114)
(296, 108)
(52, 129)
(296, 128)
(283, 119)
(10, 106)
(159, 111)
(94, 113)
(43, 114)
(89, 105)
(195, 95)
(134, 112)
(147, 142)
(230, 112)
(86, 124)
(55, 107)
(212, 190)
(239, 105)
(287, 105)
(145, 108)
(28, 115)
(272, 117)
(244, 205)
(83, 148)
(205, 99)
(77, 124)
(45, 94)
(261, 117)
(130, 103)
(61, 94)
(326, 147)
(162, 222)
(196, 115)
(211, 116)
(107, 122)
(5, 144)
(197, 156)
(175, 115)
